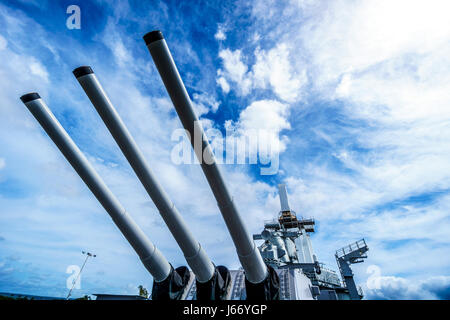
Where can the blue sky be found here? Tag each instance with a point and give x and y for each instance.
(358, 93)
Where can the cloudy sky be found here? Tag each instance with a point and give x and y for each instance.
(357, 94)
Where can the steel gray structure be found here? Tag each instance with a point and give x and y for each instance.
(287, 246)
(195, 256)
(255, 269)
(351, 254)
(150, 256)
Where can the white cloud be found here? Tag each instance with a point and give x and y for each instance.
(36, 68)
(273, 67)
(223, 83)
(220, 34)
(2, 163)
(114, 42)
(204, 103)
(272, 70)
(235, 70)
(396, 288)
(388, 59)
(269, 115)
(256, 37)
(3, 43)
(354, 36)
(264, 120)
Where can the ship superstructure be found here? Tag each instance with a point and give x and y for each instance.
(287, 245)
(287, 248)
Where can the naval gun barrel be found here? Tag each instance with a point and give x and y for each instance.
(195, 256)
(255, 269)
(150, 256)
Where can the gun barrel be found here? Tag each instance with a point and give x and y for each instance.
(150, 256)
(248, 253)
(195, 256)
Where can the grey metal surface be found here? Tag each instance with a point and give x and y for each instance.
(151, 257)
(195, 256)
(294, 285)
(284, 202)
(297, 245)
(351, 254)
(304, 245)
(286, 241)
(248, 253)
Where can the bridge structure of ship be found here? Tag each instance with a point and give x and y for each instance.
(287, 246)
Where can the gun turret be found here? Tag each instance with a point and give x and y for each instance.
(256, 271)
(153, 260)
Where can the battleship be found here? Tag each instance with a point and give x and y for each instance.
(282, 267)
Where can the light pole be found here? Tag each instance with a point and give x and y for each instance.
(88, 254)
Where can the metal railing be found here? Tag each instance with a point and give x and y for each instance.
(360, 244)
